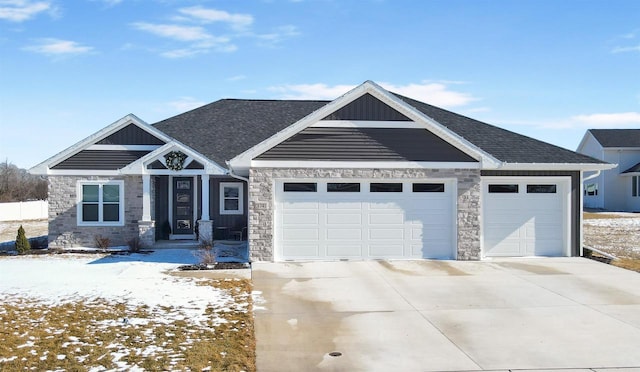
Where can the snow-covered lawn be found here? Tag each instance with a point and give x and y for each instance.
(103, 312)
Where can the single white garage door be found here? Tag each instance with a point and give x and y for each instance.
(526, 216)
(358, 219)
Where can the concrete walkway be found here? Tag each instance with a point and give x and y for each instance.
(536, 314)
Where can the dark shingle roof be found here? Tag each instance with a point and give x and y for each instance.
(617, 137)
(224, 129)
(502, 144)
(634, 169)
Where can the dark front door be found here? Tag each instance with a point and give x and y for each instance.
(182, 206)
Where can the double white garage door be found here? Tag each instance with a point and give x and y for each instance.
(357, 219)
(367, 219)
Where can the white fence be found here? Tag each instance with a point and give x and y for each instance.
(31, 210)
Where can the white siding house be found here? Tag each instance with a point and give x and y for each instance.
(616, 189)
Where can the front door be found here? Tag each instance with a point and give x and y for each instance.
(183, 223)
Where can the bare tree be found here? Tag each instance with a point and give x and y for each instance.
(17, 184)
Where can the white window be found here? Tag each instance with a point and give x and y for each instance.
(635, 186)
(100, 203)
(231, 198)
(591, 189)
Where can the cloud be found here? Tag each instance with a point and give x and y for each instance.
(236, 78)
(609, 120)
(433, 93)
(237, 21)
(57, 47)
(176, 32)
(184, 104)
(278, 35)
(626, 49)
(22, 10)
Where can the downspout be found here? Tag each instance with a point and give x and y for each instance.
(230, 173)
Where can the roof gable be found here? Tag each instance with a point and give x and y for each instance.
(369, 108)
(617, 137)
(243, 160)
(136, 139)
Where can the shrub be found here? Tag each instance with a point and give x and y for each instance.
(135, 244)
(205, 252)
(102, 242)
(22, 243)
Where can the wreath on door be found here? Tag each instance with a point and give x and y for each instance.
(175, 160)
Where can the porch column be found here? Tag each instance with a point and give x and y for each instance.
(205, 198)
(146, 197)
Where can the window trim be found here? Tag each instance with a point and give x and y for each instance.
(240, 187)
(101, 203)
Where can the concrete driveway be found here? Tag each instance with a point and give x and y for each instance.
(397, 316)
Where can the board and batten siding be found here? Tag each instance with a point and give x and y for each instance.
(576, 207)
(131, 135)
(367, 107)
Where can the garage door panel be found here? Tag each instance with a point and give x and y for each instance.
(296, 234)
(386, 250)
(344, 219)
(386, 234)
(300, 219)
(344, 234)
(340, 205)
(344, 250)
(301, 205)
(386, 219)
(301, 250)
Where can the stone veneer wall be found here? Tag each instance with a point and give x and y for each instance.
(261, 202)
(64, 231)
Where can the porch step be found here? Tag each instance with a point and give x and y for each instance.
(182, 244)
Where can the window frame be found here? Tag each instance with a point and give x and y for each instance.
(101, 203)
(313, 188)
(502, 188)
(240, 187)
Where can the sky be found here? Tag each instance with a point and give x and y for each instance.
(547, 69)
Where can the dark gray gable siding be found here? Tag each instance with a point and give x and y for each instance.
(617, 137)
(131, 135)
(100, 159)
(366, 144)
(367, 107)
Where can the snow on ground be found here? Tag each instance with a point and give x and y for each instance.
(136, 279)
(619, 235)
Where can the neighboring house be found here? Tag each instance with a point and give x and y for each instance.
(369, 175)
(615, 189)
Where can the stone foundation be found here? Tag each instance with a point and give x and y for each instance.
(147, 233)
(205, 230)
(261, 205)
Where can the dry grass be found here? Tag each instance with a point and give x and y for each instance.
(81, 335)
(9, 230)
(617, 238)
(602, 216)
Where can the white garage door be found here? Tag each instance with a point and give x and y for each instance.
(356, 219)
(525, 216)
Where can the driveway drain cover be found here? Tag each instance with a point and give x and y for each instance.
(335, 354)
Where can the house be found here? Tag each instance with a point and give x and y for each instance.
(371, 174)
(615, 189)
